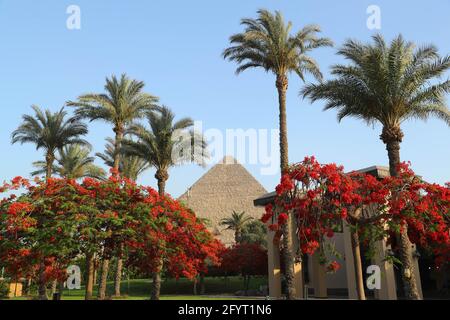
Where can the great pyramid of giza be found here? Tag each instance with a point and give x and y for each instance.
(225, 188)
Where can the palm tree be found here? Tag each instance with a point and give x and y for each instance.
(267, 43)
(73, 162)
(166, 144)
(50, 132)
(388, 84)
(130, 167)
(236, 222)
(122, 104)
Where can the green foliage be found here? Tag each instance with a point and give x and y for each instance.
(254, 232)
(267, 43)
(4, 289)
(123, 102)
(167, 143)
(236, 222)
(130, 167)
(386, 83)
(73, 162)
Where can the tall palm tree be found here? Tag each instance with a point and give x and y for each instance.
(236, 222)
(122, 104)
(73, 162)
(130, 167)
(388, 84)
(267, 43)
(51, 132)
(166, 144)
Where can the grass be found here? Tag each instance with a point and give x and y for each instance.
(216, 288)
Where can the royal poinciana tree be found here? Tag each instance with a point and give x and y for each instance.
(53, 222)
(388, 84)
(268, 43)
(321, 197)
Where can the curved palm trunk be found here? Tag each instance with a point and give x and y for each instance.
(162, 176)
(288, 257)
(392, 137)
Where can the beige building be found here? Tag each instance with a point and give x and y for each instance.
(225, 188)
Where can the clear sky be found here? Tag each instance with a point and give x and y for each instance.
(175, 47)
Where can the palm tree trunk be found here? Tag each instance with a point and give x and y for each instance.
(118, 275)
(116, 167)
(89, 277)
(162, 176)
(49, 159)
(237, 236)
(156, 284)
(392, 137)
(117, 145)
(103, 279)
(282, 86)
(358, 266)
(288, 257)
(42, 286)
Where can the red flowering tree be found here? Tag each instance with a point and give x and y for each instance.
(321, 197)
(54, 221)
(170, 235)
(39, 229)
(245, 259)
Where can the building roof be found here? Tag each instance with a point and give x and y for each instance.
(225, 188)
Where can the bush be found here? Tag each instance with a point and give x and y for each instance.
(4, 289)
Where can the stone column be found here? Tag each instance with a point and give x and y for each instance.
(273, 251)
(388, 290)
(319, 278)
(349, 263)
(298, 275)
(417, 270)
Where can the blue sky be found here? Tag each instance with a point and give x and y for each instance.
(175, 47)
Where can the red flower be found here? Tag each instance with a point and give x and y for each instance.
(333, 267)
(282, 218)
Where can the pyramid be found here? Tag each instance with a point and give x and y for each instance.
(225, 188)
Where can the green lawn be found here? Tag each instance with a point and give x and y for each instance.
(216, 288)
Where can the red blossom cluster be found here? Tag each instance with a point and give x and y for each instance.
(320, 197)
(245, 259)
